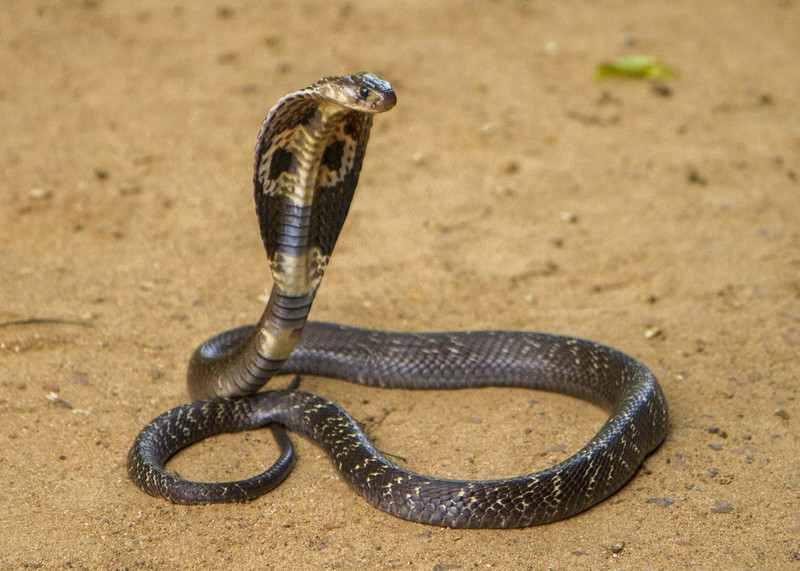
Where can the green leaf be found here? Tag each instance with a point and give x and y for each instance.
(634, 66)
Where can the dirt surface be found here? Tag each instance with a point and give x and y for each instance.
(509, 189)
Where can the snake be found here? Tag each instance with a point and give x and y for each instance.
(308, 159)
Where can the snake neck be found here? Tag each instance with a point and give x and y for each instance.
(308, 160)
(295, 188)
(297, 261)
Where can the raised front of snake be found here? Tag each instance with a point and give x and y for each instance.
(308, 158)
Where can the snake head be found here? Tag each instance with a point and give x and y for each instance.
(364, 92)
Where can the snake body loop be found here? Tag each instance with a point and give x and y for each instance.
(308, 159)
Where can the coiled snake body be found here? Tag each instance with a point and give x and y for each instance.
(308, 159)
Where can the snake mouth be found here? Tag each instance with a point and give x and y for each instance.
(384, 101)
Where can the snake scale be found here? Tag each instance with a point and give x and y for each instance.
(308, 159)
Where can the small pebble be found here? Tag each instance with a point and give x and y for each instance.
(765, 99)
(419, 158)
(224, 12)
(661, 502)
(57, 400)
(782, 414)
(661, 88)
(694, 177)
(718, 431)
(509, 166)
(721, 507)
(272, 40)
(652, 333)
(39, 193)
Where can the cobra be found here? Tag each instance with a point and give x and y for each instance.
(308, 159)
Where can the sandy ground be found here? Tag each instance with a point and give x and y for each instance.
(509, 189)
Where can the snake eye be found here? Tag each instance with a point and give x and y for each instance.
(363, 92)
